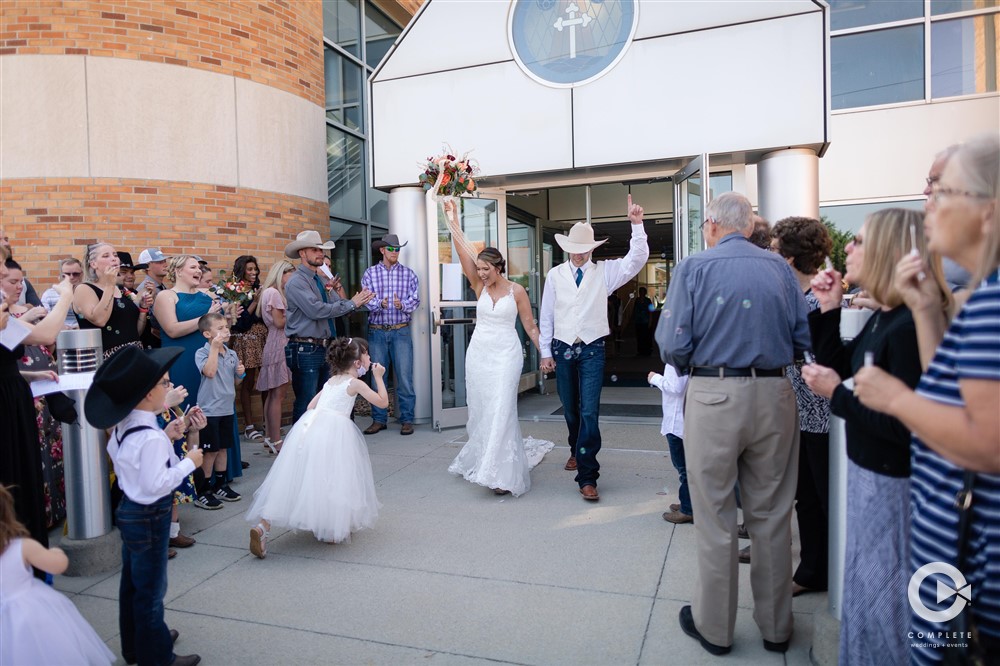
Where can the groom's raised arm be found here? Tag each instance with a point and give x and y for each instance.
(619, 271)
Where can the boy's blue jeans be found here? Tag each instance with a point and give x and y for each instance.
(676, 445)
(145, 532)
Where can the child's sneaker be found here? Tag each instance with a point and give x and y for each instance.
(207, 501)
(227, 494)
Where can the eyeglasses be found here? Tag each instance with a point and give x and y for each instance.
(940, 192)
(391, 248)
(72, 275)
(165, 383)
(773, 248)
(707, 220)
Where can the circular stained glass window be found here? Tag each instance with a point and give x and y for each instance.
(566, 43)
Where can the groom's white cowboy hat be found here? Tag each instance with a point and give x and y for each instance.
(580, 239)
(307, 239)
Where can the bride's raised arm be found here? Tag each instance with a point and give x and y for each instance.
(466, 251)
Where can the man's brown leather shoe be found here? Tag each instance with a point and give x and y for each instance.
(675, 507)
(375, 427)
(407, 429)
(744, 555)
(182, 541)
(590, 493)
(171, 553)
(571, 463)
(677, 518)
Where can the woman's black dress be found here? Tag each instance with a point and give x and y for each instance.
(20, 456)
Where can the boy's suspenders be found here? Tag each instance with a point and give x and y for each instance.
(128, 432)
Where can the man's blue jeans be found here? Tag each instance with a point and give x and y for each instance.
(394, 350)
(579, 376)
(676, 445)
(307, 363)
(145, 532)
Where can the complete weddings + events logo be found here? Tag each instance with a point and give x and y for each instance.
(958, 587)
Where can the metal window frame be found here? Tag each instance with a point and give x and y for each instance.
(927, 20)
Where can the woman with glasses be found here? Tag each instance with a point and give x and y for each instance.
(875, 615)
(953, 413)
(100, 303)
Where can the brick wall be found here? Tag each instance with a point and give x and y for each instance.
(49, 219)
(273, 42)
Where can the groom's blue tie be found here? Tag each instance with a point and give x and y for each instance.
(579, 276)
(322, 294)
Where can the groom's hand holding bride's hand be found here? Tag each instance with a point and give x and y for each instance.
(547, 365)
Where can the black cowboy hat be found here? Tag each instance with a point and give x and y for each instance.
(388, 239)
(125, 261)
(123, 381)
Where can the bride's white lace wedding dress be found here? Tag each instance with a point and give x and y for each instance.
(496, 456)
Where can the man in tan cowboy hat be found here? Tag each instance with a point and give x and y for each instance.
(390, 342)
(574, 323)
(309, 318)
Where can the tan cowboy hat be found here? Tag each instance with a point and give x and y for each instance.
(580, 239)
(307, 239)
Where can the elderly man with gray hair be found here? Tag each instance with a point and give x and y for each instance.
(733, 319)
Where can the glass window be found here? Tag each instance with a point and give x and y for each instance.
(850, 217)
(478, 218)
(350, 260)
(879, 67)
(856, 13)
(345, 174)
(949, 6)
(344, 90)
(719, 183)
(964, 56)
(380, 33)
(342, 24)
(378, 207)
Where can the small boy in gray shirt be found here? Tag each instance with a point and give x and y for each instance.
(221, 372)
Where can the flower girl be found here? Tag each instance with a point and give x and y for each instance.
(322, 479)
(38, 625)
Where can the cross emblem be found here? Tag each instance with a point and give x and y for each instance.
(571, 23)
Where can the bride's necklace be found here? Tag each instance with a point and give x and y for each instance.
(490, 290)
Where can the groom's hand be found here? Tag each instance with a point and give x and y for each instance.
(547, 365)
(634, 212)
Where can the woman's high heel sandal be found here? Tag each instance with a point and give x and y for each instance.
(274, 447)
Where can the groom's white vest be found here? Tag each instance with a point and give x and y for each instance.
(580, 312)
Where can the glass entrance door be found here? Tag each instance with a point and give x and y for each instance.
(690, 201)
(453, 303)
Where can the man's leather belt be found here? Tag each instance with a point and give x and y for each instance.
(388, 327)
(722, 372)
(322, 342)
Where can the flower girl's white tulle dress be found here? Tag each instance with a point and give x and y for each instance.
(39, 625)
(322, 479)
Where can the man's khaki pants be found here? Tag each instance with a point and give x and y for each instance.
(744, 429)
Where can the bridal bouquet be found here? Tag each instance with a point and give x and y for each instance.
(230, 289)
(449, 176)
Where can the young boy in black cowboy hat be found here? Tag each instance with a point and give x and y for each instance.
(127, 394)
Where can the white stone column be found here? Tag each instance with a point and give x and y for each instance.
(408, 220)
(788, 184)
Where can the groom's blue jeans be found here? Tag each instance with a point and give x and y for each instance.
(579, 376)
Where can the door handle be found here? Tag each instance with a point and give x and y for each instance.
(452, 322)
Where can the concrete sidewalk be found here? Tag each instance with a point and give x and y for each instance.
(453, 574)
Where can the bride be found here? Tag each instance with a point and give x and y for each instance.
(496, 456)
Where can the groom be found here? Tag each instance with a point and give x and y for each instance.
(574, 323)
